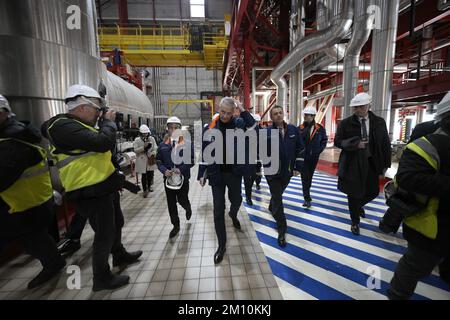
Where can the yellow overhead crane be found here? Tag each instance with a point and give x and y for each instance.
(163, 46)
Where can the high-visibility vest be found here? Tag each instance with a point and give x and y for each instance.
(33, 187)
(82, 169)
(425, 222)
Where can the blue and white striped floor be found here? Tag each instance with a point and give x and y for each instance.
(323, 259)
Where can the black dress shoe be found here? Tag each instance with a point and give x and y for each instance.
(249, 201)
(218, 256)
(174, 231)
(110, 283)
(46, 274)
(355, 229)
(236, 222)
(282, 239)
(362, 213)
(69, 246)
(125, 257)
(188, 214)
(307, 204)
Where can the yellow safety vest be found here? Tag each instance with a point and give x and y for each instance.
(85, 169)
(425, 222)
(33, 187)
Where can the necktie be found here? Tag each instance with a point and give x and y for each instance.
(364, 129)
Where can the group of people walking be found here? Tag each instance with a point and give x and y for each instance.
(80, 164)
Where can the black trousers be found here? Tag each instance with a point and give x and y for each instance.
(79, 222)
(182, 197)
(307, 172)
(147, 180)
(233, 183)
(30, 229)
(355, 204)
(248, 182)
(415, 264)
(277, 187)
(100, 212)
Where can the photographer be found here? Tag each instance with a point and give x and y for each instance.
(145, 148)
(424, 171)
(87, 173)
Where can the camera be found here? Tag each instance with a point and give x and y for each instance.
(391, 221)
(119, 117)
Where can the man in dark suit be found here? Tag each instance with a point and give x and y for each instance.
(365, 156)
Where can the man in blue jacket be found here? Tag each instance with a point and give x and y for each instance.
(222, 174)
(289, 153)
(176, 175)
(315, 140)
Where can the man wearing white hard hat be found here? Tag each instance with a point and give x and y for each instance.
(87, 173)
(145, 148)
(315, 139)
(365, 156)
(424, 172)
(176, 176)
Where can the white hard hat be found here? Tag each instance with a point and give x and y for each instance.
(443, 107)
(361, 99)
(174, 120)
(5, 104)
(80, 90)
(257, 117)
(175, 181)
(144, 129)
(310, 110)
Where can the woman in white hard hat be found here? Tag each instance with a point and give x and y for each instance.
(176, 176)
(145, 148)
(365, 156)
(315, 139)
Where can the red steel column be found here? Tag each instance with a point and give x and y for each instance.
(123, 13)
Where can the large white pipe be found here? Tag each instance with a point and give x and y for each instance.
(309, 45)
(361, 32)
(383, 54)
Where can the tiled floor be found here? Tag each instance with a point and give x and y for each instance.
(182, 268)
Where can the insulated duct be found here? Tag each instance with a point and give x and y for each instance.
(361, 32)
(309, 45)
(383, 54)
(297, 33)
(326, 11)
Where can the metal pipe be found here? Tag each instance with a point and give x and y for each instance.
(309, 45)
(326, 11)
(383, 53)
(332, 90)
(297, 33)
(402, 68)
(254, 89)
(361, 33)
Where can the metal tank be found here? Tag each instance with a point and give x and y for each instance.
(40, 57)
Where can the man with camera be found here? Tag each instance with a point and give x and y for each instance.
(365, 156)
(86, 171)
(176, 176)
(424, 172)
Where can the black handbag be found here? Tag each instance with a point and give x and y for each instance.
(402, 201)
